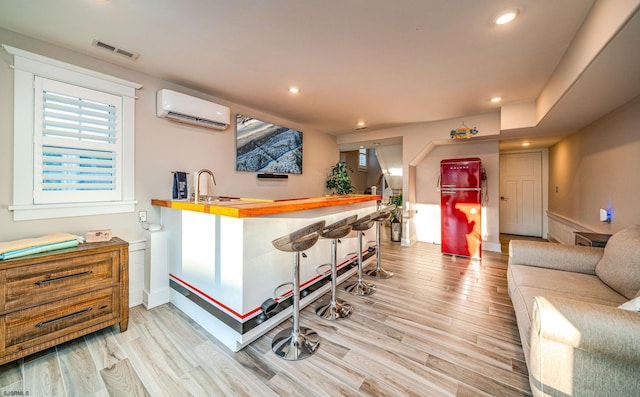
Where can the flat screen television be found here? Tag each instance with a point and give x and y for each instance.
(266, 147)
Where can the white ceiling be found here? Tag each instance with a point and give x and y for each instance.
(388, 63)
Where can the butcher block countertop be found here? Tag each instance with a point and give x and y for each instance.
(248, 207)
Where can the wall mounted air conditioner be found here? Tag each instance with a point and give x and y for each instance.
(191, 110)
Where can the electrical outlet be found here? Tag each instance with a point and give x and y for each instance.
(142, 216)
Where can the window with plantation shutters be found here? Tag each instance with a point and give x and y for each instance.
(73, 139)
(362, 159)
(77, 144)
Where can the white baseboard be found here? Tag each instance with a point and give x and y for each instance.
(158, 298)
(493, 247)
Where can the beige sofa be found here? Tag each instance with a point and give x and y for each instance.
(576, 339)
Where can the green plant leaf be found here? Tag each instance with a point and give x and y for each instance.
(339, 181)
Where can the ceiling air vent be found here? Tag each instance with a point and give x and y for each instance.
(120, 51)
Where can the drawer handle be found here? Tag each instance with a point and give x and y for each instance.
(42, 282)
(55, 320)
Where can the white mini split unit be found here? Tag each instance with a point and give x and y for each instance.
(191, 110)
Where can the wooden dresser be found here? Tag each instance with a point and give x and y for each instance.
(53, 297)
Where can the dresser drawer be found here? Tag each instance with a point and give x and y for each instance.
(47, 281)
(30, 327)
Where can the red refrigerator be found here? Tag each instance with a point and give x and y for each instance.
(460, 207)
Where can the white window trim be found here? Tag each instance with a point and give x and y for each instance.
(26, 65)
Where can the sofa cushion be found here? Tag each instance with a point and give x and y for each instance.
(619, 267)
(579, 285)
(526, 282)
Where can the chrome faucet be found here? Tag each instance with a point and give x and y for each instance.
(197, 183)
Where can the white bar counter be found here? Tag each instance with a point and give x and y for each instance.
(222, 265)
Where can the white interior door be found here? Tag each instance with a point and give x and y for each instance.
(521, 194)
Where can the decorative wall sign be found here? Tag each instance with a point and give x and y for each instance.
(463, 132)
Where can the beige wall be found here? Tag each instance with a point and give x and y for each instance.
(374, 169)
(419, 141)
(428, 194)
(599, 167)
(161, 147)
(358, 178)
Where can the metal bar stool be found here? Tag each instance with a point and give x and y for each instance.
(297, 343)
(379, 217)
(335, 309)
(361, 287)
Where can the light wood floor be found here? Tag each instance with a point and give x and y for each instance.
(442, 326)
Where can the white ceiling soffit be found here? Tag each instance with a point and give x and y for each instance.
(607, 82)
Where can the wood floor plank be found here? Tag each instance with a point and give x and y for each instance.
(393, 377)
(475, 380)
(10, 374)
(121, 380)
(42, 376)
(229, 375)
(79, 372)
(441, 326)
(285, 384)
(105, 348)
(204, 381)
(152, 368)
(179, 362)
(13, 389)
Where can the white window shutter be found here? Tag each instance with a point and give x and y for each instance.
(77, 144)
(362, 159)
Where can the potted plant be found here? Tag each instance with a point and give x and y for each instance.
(396, 217)
(338, 180)
(396, 201)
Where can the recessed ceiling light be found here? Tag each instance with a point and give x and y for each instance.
(294, 90)
(361, 125)
(496, 99)
(506, 16)
(527, 143)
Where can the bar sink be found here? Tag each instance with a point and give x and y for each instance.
(211, 199)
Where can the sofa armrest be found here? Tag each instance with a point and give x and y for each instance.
(583, 349)
(571, 258)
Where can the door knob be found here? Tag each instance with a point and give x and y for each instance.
(503, 198)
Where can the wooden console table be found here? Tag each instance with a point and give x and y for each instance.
(50, 298)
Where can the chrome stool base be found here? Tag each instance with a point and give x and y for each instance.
(337, 310)
(379, 273)
(361, 288)
(289, 347)
(296, 343)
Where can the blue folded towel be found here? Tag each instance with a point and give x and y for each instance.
(179, 185)
(38, 248)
